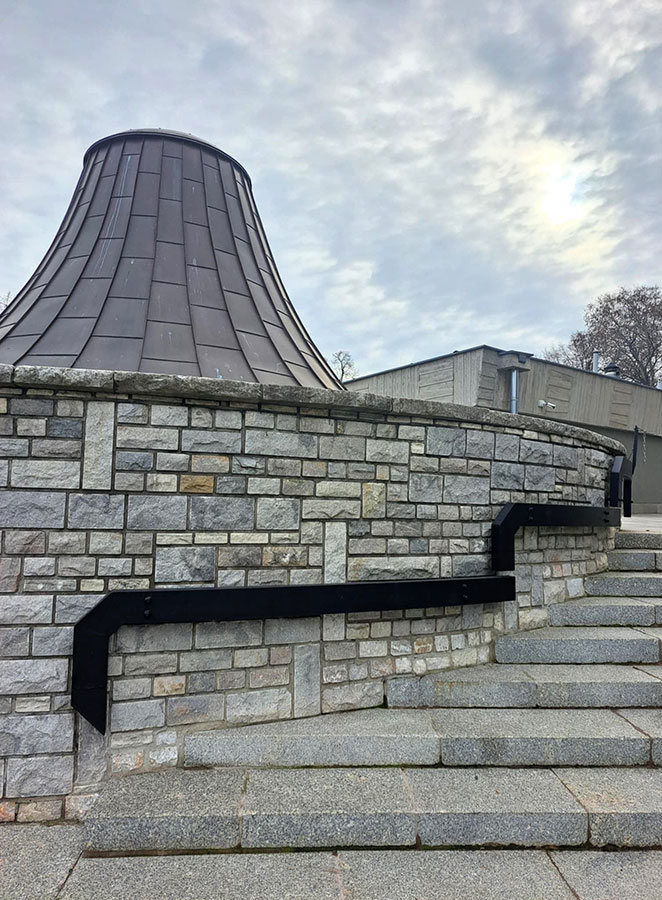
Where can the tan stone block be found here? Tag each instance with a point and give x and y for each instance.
(40, 811)
(196, 484)
(7, 808)
(374, 500)
(169, 685)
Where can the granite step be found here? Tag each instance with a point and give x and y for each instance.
(456, 737)
(373, 875)
(638, 540)
(634, 560)
(624, 584)
(580, 644)
(506, 686)
(607, 611)
(276, 809)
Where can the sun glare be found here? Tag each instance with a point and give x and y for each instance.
(561, 202)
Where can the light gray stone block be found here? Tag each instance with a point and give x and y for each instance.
(196, 440)
(185, 564)
(453, 875)
(649, 721)
(99, 441)
(342, 447)
(387, 451)
(150, 638)
(599, 875)
(134, 715)
(97, 511)
(466, 489)
(578, 645)
(33, 676)
(341, 807)
(474, 686)
(539, 478)
(40, 776)
(228, 634)
(507, 476)
(306, 699)
(624, 805)
(536, 452)
(160, 513)
(32, 509)
(425, 488)
(52, 641)
(199, 708)
(172, 810)
(335, 552)
(538, 737)
(383, 568)
(258, 706)
(499, 807)
(22, 735)
(355, 695)
(279, 514)
(35, 860)
(443, 441)
(291, 631)
(319, 508)
(281, 443)
(44, 473)
(582, 686)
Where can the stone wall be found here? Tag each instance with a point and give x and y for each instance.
(115, 480)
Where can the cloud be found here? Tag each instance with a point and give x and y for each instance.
(430, 175)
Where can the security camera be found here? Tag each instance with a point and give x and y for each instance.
(546, 403)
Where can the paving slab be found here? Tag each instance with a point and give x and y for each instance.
(603, 611)
(450, 875)
(650, 722)
(171, 810)
(35, 860)
(624, 805)
(582, 686)
(327, 808)
(640, 540)
(539, 737)
(572, 644)
(599, 875)
(371, 737)
(624, 584)
(490, 685)
(286, 876)
(495, 807)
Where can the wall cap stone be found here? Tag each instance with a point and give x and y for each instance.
(197, 388)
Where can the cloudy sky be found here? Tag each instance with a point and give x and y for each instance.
(432, 174)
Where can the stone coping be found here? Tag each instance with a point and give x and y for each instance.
(193, 387)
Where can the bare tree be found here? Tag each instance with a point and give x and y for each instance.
(343, 365)
(626, 327)
(5, 300)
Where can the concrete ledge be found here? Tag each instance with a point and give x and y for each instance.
(143, 383)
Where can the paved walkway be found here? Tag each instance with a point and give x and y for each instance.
(40, 862)
(642, 523)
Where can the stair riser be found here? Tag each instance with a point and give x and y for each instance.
(634, 560)
(610, 585)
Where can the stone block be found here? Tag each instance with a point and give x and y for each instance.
(26, 609)
(387, 451)
(281, 443)
(508, 476)
(44, 473)
(279, 514)
(539, 478)
(14, 642)
(197, 440)
(444, 441)
(135, 437)
(146, 638)
(359, 695)
(13, 447)
(317, 508)
(97, 511)
(32, 509)
(199, 708)
(69, 608)
(291, 631)
(425, 488)
(258, 706)
(135, 715)
(466, 489)
(286, 556)
(373, 500)
(480, 444)
(306, 680)
(197, 484)
(578, 645)
(327, 808)
(228, 634)
(342, 447)
(154, 512)
(99, 439)
(22, 735)
(53, 641)
(169, 415)
(33, 676)
(384, 568)
(185, 564)
(222, 513)
(536, 452)
(41, 776)
(134, 460)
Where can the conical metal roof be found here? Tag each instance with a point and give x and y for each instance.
(162, 265)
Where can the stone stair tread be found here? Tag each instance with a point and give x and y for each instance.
(624, 805)
(649, 721)
(372, 737)
(624, 584)
(539, 737)
(632, 560)
(580, 644)
(617, 611)
(513, 685)
(375, 875)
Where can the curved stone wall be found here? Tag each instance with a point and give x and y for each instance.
(120, 480)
